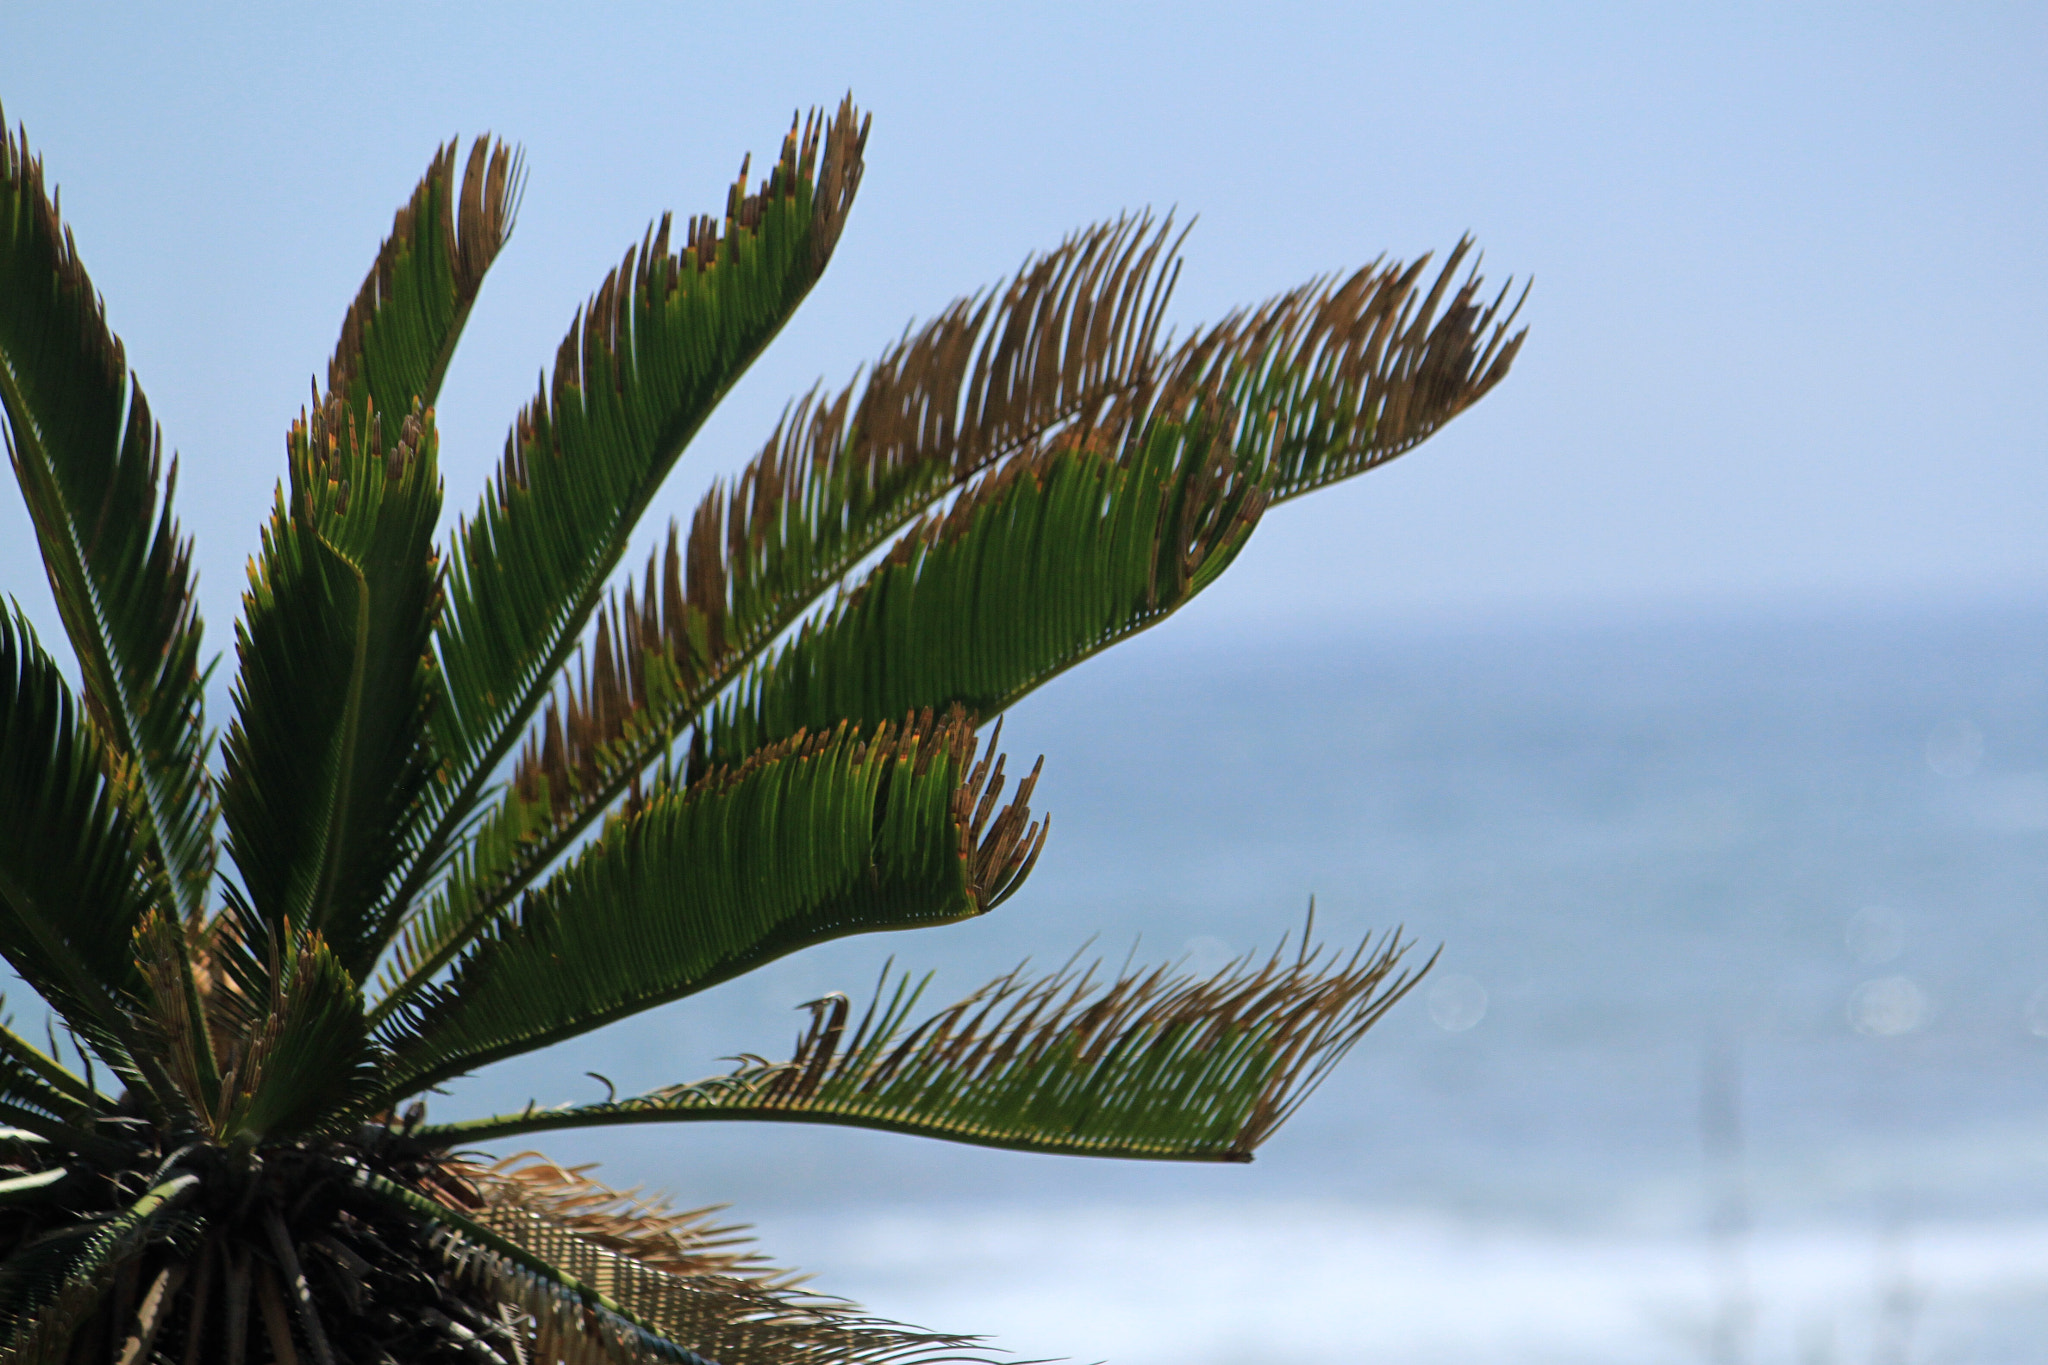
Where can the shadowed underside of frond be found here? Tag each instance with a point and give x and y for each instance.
(1152, 1064)
(88, 458)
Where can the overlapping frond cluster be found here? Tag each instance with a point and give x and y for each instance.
(541, 801)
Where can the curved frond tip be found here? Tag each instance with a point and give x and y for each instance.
(1153, 1064)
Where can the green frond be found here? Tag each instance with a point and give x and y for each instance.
(643, 365)
(327, 757)
(400, 332)
(39, 1096)
(1070, 336)
(1044, 561)
(306, 1064)
(88, 459)
(823, 836)
(73, 881)
(1154, 1064)
(49, 1285)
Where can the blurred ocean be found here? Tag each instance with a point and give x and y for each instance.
(1735, 1052)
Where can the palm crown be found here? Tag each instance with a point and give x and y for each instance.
(477, 798)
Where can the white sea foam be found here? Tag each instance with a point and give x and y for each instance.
(1308, 1285)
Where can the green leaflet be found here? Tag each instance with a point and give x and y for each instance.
(327, 758)
(642, 367)
(1046, 561)
(814, 839)
(89, 462)
(1153, 1064)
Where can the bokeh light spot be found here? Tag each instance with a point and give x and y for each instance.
(1887, 1007)
(1457, 1003)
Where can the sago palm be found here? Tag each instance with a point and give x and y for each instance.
(477, 797)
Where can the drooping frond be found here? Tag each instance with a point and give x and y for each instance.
(586, 1301)
(574, 1320)
(73, 883)
(644, 363)
(822, 836)
(1073, 334)
(327, 759)
(1050, 558)
(625, 1222)
(47, 1286)
(89, 461)
(1154, 1064)
(400, 332)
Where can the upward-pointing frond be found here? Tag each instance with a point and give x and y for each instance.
(327, 759)
(89, 461)
(401, 330)
(642, 366)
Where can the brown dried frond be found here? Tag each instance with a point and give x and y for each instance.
(729, 1319)
(647, 1229)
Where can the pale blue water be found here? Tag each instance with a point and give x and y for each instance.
(1648, 844)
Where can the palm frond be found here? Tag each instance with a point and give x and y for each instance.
(1345, 375)
(48, 1286)
(400, 332)
(326, 758)
(1153, 1064)
(73, 881)
(1105, 531)
(644, 363)
(820, 837)
(576, 1321)
(569, 1282)
(1044, 561)
(305, 1064)
(40, 1096)
(626, 1222)
(1071, 335)
(88, 458)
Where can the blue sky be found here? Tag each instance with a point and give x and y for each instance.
(1786, 330)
